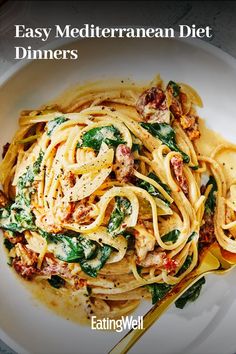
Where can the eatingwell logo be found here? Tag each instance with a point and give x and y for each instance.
(125, 322)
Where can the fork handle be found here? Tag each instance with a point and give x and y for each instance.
(151, 316)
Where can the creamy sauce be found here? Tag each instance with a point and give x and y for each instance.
(209, 141)
(64, 303)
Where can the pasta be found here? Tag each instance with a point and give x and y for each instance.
(108, 195)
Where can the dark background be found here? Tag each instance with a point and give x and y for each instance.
(220, 15)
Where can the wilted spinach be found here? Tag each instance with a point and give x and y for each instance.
(70, 247)
(196, 167)
(8, 244)
(92, 266)
(56, 282)
(211, 199)
(151, 189)
(166, 134)
(185, 266)
(121, 209)
(158, 291)
(77, 249)
(52, 124)
(174, 88)
(191, 294)
(17, 216)
(136, 147)
(191, 237)
(94, 137)
(171, 236)
(157, 179)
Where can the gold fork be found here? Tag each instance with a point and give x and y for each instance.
(211, 262)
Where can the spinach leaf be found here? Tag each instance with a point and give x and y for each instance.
(157, 179)
(191, 294)
(171, 236)
(52, 124)
(158, 291)
(136, 147)
(71, 248)
(185, 266)
(196, 167)
(136, 143)
(18, 217)
(166, 134)
(24, 184)
(191, 237)
(174, 88)
(148, 187)
(77, 249)
(139, 269)
(211, 199)
(151, 189)
(56, 282)
(23, 195)
(16, 220)
(37, 163)
(92, 266)
(121, 210)
(94, 137)
(8, 244)
(89, 290)
(130, 238)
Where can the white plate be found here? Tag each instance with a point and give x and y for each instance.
(207, 326)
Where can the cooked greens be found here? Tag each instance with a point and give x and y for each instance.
(37, 163)
(56, 282)
(8, 244)
(211, 199)
(52, 124)
(171, 236)
(136, 147)
(94, 137)
(166, 134)
(185, 266)
(151, 189)
(121, 209)
(92, 266)
(77, 249)
(174, 87)
(71, 249)
(17, 216)
(191, 294)
(15, 219)
(158, 291)
(196, 167)
(157, 179)
(191, 237)
(136, 144)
